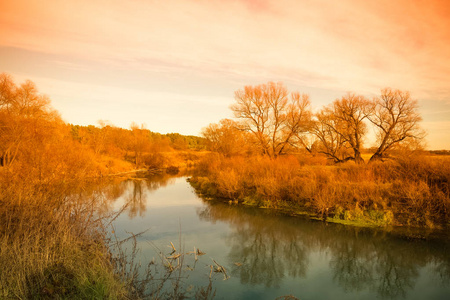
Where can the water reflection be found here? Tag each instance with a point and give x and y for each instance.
(271, 247)
(260, 245)
(140, 189)
(136, 200)
(102, 194)
(267, 253)
(134, 191)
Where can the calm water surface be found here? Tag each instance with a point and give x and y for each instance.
(277, 254)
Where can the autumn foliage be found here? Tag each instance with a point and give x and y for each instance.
(314, 162)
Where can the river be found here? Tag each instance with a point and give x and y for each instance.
(267, 254)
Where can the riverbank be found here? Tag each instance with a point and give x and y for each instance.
(412, 191)
(208, 192)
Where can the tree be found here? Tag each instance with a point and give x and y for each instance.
(226, 138)
(395, 116)
(341, 126)
(7, 91)
(274, 117)
(332, 144)
(25, 117)
(140, 141)
(9, 128)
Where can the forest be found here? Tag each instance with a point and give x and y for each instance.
(277, 152)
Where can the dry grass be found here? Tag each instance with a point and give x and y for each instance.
(413, 190)
(51, 246)
(181, 159)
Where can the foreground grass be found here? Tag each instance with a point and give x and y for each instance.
(413, 190)
(57, 265)
(52, 244)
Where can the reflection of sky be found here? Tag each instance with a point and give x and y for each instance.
(161, 198)
(222, 234)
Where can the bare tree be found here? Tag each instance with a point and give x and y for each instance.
(226, 138)
(332, 144)
(7, 90)
(274, 117)
(396, 118)
(351, 110)
(341, 126)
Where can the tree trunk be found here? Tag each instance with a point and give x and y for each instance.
(358, 158)
(378, 156)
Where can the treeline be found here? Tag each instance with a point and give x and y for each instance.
(274, 122)
(280, 154)
(138, 145)
(440, 152)
(108, 139)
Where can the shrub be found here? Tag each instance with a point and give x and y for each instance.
(412, 190)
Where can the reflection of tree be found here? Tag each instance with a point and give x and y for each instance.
(102, 194)
(265, 258)
(397, 271)
(273, 246)
(109, 192)
(137, 199)
(267, 249)
(442, 270)
(159, 180)
(353, 266)
(359, 264)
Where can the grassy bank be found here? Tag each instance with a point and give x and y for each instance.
(409, 191)
(52, 243)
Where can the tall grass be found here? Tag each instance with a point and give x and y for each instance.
(51, 241)
(413, 190)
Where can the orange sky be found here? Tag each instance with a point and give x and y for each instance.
(174, 65)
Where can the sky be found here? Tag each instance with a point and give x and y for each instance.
(175, 65)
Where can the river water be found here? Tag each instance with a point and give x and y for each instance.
(268, 254)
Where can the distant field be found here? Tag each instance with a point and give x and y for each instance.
(366, 156)
(443, 154)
